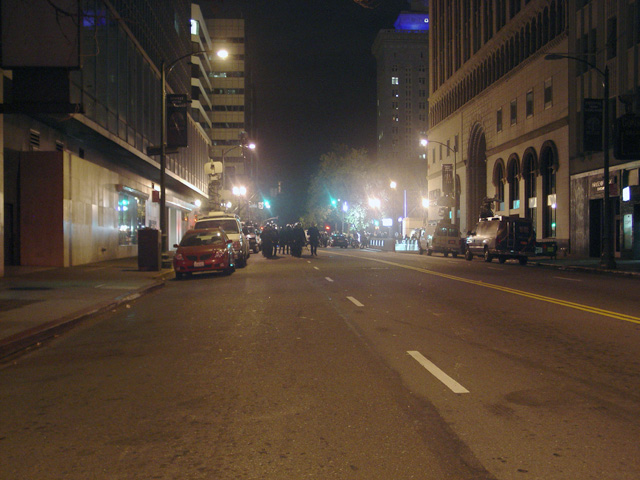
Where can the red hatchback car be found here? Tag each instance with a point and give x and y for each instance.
(204, 250)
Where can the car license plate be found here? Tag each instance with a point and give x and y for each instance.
(198, 264)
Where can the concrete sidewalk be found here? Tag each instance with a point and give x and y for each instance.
(592, 265)
(37, 303)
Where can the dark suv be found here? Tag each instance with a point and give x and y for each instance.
(502, 237)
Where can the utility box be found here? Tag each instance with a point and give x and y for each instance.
(149, 249)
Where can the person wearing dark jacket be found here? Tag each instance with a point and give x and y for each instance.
(314, 239)
(298, 240)
(267, 241)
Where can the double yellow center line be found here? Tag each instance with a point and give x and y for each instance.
(522, 293)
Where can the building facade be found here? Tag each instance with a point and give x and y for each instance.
(80, 180)
(607, 34)
(516, 117)
(402, 105)
(502, 108)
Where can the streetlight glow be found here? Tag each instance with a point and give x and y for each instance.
(222, 53)
(393, 184)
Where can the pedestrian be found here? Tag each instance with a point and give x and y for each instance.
(267, 241)
(276, 240)
(298, 241)
(314, 239)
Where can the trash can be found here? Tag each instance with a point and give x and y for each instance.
(149, 249)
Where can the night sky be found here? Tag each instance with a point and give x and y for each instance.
(314, 77)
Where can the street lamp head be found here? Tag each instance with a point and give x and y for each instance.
(393, 184)
(251, 146)
(424, 142)
(222, 53)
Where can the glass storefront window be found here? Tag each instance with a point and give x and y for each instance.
(131, 217)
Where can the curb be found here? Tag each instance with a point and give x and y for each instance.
(33, 337)
(597, 271)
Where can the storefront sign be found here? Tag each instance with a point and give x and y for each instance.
(592, 124)
(596, 186)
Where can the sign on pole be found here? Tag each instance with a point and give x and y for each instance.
(592, 123)
(177, 120)
(447, 178)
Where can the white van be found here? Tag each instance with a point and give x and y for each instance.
(445, 239)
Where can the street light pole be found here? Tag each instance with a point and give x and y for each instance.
(607, 260)
(454, 213)
(163, 162)
(164, 71)
(250, 146)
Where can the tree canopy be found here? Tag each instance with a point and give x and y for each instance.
(346, 176)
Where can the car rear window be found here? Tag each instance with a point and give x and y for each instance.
(524, 229)
(229, 225)
(197, 239)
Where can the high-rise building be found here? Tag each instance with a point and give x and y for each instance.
(402, 102)
(228, 131)
(81, 169)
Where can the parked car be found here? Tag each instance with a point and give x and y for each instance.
(204, 250)
(230, 223)
(251, 233)
(445, 239)
(503, 237)
(339, 240)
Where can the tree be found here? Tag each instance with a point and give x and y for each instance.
(348, 175)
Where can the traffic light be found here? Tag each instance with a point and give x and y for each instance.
(267, 204)
(334, 202)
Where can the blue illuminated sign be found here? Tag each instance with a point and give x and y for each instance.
(412, 21)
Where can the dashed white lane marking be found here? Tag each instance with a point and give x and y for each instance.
(569, 279)
(328, 279)
(454, 386)
(355, 302)
(316, 268)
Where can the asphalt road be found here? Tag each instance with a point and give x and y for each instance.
(353, 364)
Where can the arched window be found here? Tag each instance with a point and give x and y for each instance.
(530, 176)
(560, 13)
(552, 21)
(513, 177)
(499, 180)
(548, 167)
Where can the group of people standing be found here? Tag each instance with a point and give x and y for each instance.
(290, 239)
